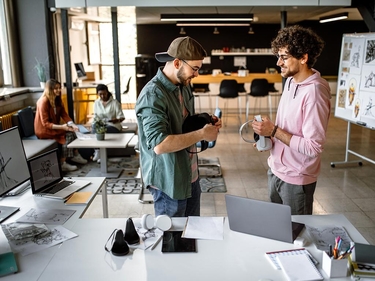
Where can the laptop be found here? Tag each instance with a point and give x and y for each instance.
(46, 177)
(260, 218)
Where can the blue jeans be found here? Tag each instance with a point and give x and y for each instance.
(164, 205)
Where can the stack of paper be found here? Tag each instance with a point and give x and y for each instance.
(299, 268)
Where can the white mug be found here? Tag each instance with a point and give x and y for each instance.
(216, 72)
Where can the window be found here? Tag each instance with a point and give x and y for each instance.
(5, 74)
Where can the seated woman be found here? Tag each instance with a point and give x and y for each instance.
(109, 108)
(50, 111)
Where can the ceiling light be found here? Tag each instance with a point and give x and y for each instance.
(211, 24)
(182, 31)
(333, 17)
(216, 31)
(206, 17)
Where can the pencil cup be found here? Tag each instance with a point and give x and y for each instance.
(334, 267)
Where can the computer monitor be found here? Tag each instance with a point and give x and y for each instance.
(81, 73)
(13, 165)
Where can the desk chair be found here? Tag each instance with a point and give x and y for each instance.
(229, 90)
(274, 93)
(25, 122)
(201, 90)
(211, 144)
(258, 89)
(126, 91)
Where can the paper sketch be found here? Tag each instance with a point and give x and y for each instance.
(370, 51)
(40, 242)
(148, 237)
(47, 216)
(322, 237)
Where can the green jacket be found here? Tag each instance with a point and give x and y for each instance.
(159, 114)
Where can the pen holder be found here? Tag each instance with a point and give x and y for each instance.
(334, 267)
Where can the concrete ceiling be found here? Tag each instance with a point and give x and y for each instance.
(262, 14)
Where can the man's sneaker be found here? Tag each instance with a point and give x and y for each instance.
(65, 167)
(96, 155)
(79, 159)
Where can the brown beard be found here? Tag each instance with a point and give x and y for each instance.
(182, 77)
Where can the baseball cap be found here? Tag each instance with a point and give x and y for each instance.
(185, 48)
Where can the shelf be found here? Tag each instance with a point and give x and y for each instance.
(241, 54)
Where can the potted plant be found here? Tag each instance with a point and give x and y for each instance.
(99, 125)
(41, 72)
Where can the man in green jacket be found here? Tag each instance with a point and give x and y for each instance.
(169, 170)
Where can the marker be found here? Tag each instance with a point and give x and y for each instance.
(361, 123)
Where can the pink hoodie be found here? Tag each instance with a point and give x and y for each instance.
(303, 111)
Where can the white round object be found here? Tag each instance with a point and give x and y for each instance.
(147, 221)
(163, 222)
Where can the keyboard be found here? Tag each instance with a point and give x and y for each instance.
(61, 185)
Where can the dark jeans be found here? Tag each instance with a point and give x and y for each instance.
(164, 205)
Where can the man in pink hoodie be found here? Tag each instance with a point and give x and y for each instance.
(299, 132)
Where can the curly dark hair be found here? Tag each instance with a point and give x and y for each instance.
(299, 41)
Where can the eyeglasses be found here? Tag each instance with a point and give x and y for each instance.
(194, 69)
(283, 57)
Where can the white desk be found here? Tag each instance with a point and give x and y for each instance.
(31, 266)
(238, 257)
(111, 141)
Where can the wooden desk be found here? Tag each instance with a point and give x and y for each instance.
(111, 141)
(272, 78)
(238, 257)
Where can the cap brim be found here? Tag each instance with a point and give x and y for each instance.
(163, 57)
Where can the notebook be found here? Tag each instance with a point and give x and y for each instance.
(299, 268)
(46, 177)
(260, 218)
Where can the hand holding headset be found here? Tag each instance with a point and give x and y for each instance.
(262, 143)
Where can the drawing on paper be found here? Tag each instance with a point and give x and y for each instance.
(46, 216)
(369, 106)
(370, 51)
(352, 90)
(325, 236)
(356, 108)
(355, 58)
(342, 98)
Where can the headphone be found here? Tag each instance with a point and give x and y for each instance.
(163, 222)
(262, 143)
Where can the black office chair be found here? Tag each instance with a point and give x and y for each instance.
(127, 86)
(26, 123)
(274, 93)
(258, 89)
(126, 91)
(201, 90)
(229, 90)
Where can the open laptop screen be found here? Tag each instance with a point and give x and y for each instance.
(45, 171)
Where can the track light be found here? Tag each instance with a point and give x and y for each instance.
(211, 24)
(206, 17)
(182, 31)
(333, 17)
(216, 31)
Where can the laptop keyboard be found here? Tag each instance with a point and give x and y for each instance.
(59, 186)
